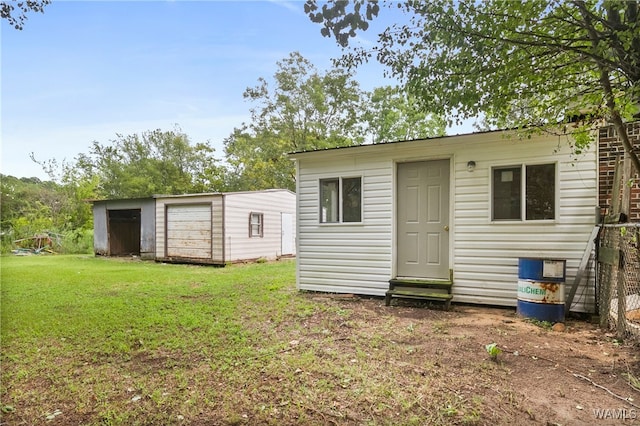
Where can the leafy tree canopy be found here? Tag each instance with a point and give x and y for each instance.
(312, 110)
(141, 165)
(15, 12)
(530, 64)
(30, 206)
(305, 109)
(391, 114)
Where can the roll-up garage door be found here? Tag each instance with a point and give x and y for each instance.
(189, 231)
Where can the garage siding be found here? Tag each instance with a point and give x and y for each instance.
(270, 204)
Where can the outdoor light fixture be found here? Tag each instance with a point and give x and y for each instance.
(471, 165)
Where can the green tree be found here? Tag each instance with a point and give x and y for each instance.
(304, 110)
(16, 198)
(530, 64)
(64, 197)
(391, 114)
(15, 12)
(258, 161)
(75, 190)
(31, 206)
(310, 109)
(153, 162)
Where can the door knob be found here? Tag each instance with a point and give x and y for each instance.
(446, 228)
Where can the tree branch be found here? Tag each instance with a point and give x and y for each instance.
(608, 93)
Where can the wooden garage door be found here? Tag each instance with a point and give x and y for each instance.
(189, 231)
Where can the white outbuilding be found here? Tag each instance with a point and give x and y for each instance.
(459, 210)
(218, 228)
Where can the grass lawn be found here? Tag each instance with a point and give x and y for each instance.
(108, 341)
(98, 341)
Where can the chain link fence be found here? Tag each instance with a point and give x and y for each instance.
(618, 300)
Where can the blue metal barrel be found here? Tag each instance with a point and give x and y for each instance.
(541, 288)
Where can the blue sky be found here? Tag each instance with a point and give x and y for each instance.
(85, 71)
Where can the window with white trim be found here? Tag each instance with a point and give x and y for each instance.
(341, 200)
(256, 225)
(524, 192)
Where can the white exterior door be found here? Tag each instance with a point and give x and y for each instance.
(423, 220)
(286, 233)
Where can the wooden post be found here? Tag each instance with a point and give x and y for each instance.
(622, 298)
(625, 203)
(610, 249)
(615, 191)
(609, 259)
(625, 207)
(582, 269)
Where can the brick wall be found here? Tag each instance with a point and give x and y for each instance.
(609, 147)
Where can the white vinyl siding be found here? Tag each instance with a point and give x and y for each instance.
(238, 206)
(360, 258)
(227, 238)
(217, 229)
(356, 257)
(486, 254)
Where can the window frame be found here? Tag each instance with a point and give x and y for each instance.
(260, 224)
(340, 200)
(523, 193)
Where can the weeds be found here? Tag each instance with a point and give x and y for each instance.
(542, 324)
(493, 350)
(634, 382)
(440, 327)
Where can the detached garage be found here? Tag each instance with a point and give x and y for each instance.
(218, 228)
(124, 227)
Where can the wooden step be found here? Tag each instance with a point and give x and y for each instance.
(425, 289)
(418, 295)
(422, 295)
(401, 282)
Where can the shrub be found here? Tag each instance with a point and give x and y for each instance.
(79, 241)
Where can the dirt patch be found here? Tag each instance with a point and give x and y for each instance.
(579, 376)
